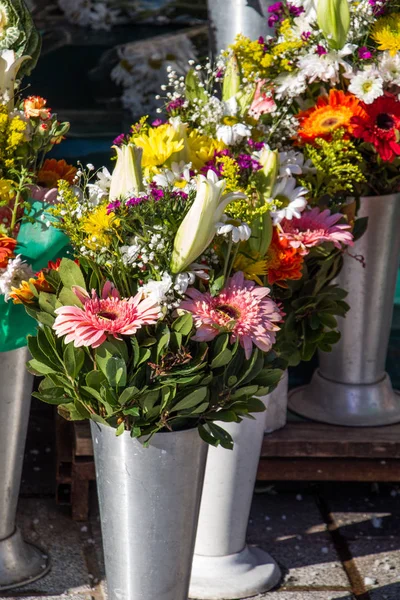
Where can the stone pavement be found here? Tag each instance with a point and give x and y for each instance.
(332, 541)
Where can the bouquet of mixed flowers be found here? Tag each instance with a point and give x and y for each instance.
(28, 131)
(185, 257)
(332, 75)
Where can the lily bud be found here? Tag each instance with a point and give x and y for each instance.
(231, 83)
(266, 177)
(333, 17)
(127, 177)
(198, 228)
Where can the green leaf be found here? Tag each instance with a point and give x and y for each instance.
(95, 379)
(191, 400)
(133, 411)
(217, 285)
(70, 412)
(255, 405)
(327, 320)
(183, 324)
(47, 302)
(44, 318)
(163, 343)
(116, 371)
(120, 429)
(68, 298)
(222, 359)
(127, 395)
(71, 274)
(73, 359)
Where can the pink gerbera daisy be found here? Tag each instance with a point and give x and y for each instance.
(315, 227)
(99, 317)
(241, 308)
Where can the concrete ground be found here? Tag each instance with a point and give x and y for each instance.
(333, 542)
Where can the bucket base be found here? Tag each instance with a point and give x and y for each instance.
(240, 575)
(20, 562)
(368, 405)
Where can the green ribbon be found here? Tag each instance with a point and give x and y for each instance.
(37, 243)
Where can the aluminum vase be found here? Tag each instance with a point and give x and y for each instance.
(149, 504)
(224, 567)
(351, 386)
(20, 563)
(228, 18)
(276, 405)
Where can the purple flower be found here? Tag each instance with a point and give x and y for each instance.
(364, 53)
(219, 74)
(179, 194)
(295, 10)
(305, 35)
(321, 50)
(175, 104)
(275, 8)
(135, 200)
(119, 140)
(113, 206)
(157, 123)
(157, 194)
(256, 145)
(272, 20)
(378, 5)
(246, 161)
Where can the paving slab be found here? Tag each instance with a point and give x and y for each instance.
(51, 528)
(290, 527)
(305, 596)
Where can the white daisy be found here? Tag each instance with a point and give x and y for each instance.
(240, 232)
(389, 67)
(326, 67)
(233, 134)
(292, 163)
(291, 198)
(177, 176)
(157, 290)
(17, 270)
(367, 85)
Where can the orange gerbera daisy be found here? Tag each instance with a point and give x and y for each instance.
(53, 170)
(24, 294)
(7, 247)
(282, 261)
(330, 113)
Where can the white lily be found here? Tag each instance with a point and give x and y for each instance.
(9, 67)
(199, 226)
(127, 177)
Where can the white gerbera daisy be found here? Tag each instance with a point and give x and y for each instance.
(291, 199)
(177, 176)
(367, 85)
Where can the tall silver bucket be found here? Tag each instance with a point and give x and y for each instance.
(351, 386)
(20, 563)
(149, 506)
(228, 18)
(223, 565)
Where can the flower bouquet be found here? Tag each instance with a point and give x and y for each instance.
(331, 75)
(28, 132)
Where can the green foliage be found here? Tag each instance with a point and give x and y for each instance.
(312, 305)
(157, 380)
(339, 167)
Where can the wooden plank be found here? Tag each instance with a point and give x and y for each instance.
(82, 439)
(307, 439)
(328, 469)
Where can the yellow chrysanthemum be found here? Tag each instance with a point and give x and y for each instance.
(202, 148)
(98, 227)
(159, 144)
(252, 268)
(386, 33)
(6, 189)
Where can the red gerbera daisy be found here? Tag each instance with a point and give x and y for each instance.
(380, 127)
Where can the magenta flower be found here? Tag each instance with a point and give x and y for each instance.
(364, 53)
(314, 228)
(242, 309)
(119, 140)
(99, 317)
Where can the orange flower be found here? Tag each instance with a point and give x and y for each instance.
(24, 294)
(53, 170)
(7, 247)
(330, 113)
(282, 261)
(35, 106)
